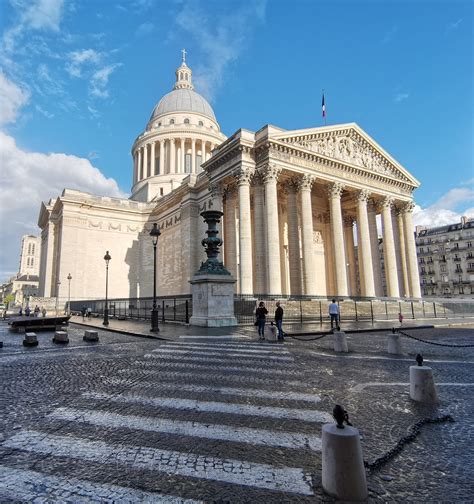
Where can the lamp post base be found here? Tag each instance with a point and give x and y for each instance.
(106, 317)
(154, 321)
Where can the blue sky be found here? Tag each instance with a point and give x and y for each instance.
(79, 79)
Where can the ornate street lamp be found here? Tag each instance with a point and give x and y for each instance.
(154, 233)
(106, 308)
(58, 283)
(69, 278)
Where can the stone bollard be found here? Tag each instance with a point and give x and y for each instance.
(90, 335)
(61, 337)
(394, 343)
(422, 385)
(340, 342)
(30, 339)
(343, 472)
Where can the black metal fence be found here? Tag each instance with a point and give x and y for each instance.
(309, 309)
(170, 309)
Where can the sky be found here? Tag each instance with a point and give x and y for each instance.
(80, 78)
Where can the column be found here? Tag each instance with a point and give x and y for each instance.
(350, 254)
(364, 245)
(390, 261)
(161, 168)
(403, 255)
(208, 152)
(374, 243)
(398, 254)
(172, 156)
(329, 257)
(193, 157)
(245, 231)
(409, 234)
(309, 271)
(153, 159)
(183, 155)
(270, 177)
(139, 167)
(294, 240)
(135, 167)
(145, 161)
(259, 234)
(334, 195)
(230, 231)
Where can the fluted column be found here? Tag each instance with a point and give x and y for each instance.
(398, 255)
(366, 269)
(245, 231)
(172, 156)
(410, 245)
(270, 176)
(307, 239)
(329, 256)
(374, 243)
(390, 260)
(145, 161)
(153, 159)
(334, 195)
(162, 157)
(293, 239)
(139, 167)
(259, 234)
(183, 156)
(193, 156)
(403, 255)
(230, 231)
(208, 152)
(135, 167)
(350, 254)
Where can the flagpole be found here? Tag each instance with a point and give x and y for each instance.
(323, 105)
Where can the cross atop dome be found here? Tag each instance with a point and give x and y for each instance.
(183, 75)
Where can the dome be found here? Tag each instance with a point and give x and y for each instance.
(183, 100)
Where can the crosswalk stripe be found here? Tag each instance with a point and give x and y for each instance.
(284, 479)
(235, 348)
(185, 372)
(225, 366)
(194, 429)
(32, 486)
(264, 394)
(227, 337)
(218, 360)
(215, 407)
(240, 354)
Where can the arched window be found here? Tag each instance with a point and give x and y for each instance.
(29, 248)
(171, 121)
(181, 75)
(186, 76)
(33, 249)
(186, 121)
(201, 123)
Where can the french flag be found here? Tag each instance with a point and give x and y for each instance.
(323, 105)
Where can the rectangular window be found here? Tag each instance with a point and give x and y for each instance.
(187, 163)
(198, 162)
(32, 262)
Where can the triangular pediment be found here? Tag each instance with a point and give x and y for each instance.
(348, 143)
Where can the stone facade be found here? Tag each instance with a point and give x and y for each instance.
(295, 205)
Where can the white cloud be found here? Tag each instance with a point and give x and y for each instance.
(220, 40)
(12, 99)
(28, 178)
(79, 59)
(100, 80)
(45, 113)
(399, 97)
(454, 25)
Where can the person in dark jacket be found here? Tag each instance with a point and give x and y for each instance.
(261, 314)
(279, 320)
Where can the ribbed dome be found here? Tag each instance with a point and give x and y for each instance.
(183, 100)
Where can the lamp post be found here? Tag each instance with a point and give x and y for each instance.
(69, 278)
(58, 283)
(154, 233)
(106, 308)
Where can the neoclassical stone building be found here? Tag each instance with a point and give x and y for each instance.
(295, 204)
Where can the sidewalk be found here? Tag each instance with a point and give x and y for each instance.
(170, 331)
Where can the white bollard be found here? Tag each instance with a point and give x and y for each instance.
(422, 385)
(90, 335)
(394, 344)
(30, 339)
(343, 472)
(60, 337)
(340, 342)
(273, 333)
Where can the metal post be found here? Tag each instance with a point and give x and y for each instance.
(187, 312)
(434, 309)
(301, 312)
(174, 309)
(320, 313)
(355, 308)
(106, 307)
(412, 311)
(371, 311)
(154, 233)
(163, 311)
(386, 310)
(69, 278)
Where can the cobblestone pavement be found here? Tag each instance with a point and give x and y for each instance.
(213, 420)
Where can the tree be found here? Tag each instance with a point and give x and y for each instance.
(8, 299)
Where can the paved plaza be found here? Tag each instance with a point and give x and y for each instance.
(196, 418)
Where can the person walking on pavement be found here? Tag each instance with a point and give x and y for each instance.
(334, 313)
(279, 321)
(261, 314)
(83, 312)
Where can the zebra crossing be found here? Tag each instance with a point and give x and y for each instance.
(188, 422)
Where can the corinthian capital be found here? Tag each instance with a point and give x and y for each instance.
(270, 173)
(362, 196)
(306, 182)
(387, 202)
(243, 176)
(334, 191)
(292, 185)
(407, 207)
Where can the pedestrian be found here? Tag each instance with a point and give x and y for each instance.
(20, 311)
(279, 321)
(89, 312)
(37, 311)
(334, 313)
(83, 312)
(43, 311)
(27, 311)
(400, 318)
(261, 315)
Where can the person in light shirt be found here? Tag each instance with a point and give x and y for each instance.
(334, 313)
